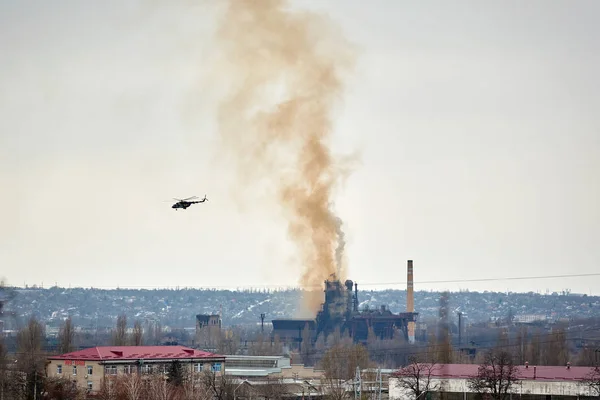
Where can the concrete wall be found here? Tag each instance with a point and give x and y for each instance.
(524, 387)
(301, 372)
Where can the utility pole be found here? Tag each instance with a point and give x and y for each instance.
(262, 322)
(459, 329)
(358, 384)
(379, 382)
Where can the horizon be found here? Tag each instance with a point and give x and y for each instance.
(371, 287)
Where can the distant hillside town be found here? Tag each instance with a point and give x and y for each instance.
(99, 308)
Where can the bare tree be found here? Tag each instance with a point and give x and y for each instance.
(416, 377)
(219, 386)
(155, 333)
(138, 334)
(533, 353)
(193, 388)
(262, 346)
(66, 337)
(16, 386)
(30, 358)
(333, 388)
(339, 364)
(556, 350)
(160, 389)
(340, 361)
(62, 389)
(108, 388)
(587, 355)
(132, 387)
(496, 375)
(521, 345)
(120, 333)
(444, 345)
(592, 380)
(3, 369)
(228, 342)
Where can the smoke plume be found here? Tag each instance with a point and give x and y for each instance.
(341, 244)
(285, 71)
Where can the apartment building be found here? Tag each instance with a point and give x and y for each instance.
(88, 367)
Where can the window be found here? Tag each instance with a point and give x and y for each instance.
(128, 369)
(74, 369)
(216, 367)
(90, 369)
(59, 369)
(110, 370)
(146, 369)
(198, 367)
(90, 386)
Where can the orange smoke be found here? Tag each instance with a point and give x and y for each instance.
(284, 70)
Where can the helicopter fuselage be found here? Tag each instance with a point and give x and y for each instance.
(185, 203)
(182, 204)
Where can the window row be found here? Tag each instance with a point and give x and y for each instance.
(145, 368)
(90, 369)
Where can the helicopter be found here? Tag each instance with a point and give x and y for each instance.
(185, 203)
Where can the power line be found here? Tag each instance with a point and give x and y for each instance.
(488, 279)
(291, 287)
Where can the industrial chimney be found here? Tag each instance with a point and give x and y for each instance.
(410, 301)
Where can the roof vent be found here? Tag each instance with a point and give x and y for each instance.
(189, 351)
(569, 365)
(526, 364)
(117, 353)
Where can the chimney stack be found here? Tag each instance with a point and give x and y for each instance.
(410, 301)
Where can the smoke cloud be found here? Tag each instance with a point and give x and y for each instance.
(339, 251)
(285, 72)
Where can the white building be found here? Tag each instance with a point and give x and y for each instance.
(534, 382)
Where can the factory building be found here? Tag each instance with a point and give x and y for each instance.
(340, 311)
(208, 330)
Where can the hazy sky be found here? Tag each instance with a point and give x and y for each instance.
(477, 124)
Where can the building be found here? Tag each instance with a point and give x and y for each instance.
(534, 382)
(529, 318)
(208, 330)
(340, 311)
(271, 367)
(90, 366)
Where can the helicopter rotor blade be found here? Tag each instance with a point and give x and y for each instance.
(190, 198)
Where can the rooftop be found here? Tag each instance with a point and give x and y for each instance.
(542, 372)
(104, 353)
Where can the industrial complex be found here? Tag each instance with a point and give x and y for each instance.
(340, 311)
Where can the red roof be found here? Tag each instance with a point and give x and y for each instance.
(104, 353)
(542, 372)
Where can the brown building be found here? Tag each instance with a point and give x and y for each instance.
(208, 330)
(90, 366)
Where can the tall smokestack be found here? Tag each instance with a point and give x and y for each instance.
(410, 301)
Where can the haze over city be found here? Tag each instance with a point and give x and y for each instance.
(474, 127)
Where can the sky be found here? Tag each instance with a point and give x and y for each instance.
(475, 123)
